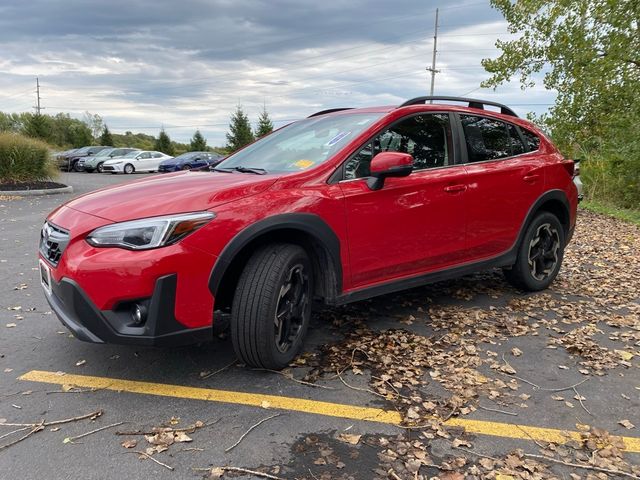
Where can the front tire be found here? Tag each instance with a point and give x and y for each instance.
(271, 308)
(128, 169)
(100, 168)
(540, 254)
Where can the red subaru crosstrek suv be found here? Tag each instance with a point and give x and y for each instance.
(341, 206)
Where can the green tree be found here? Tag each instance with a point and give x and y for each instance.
(240, 133)
(106, 139)
(37, 126)
(198, 143)
(588, 51)
(79, 135)
(94, 122)
(265, 125)
(163, 143)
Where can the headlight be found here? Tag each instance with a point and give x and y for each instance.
(149, 232)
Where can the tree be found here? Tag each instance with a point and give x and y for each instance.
(239, 133)
(198, 143)
(37, 126)
(163, 143)
(265, 125)
(94, 122)
(589, 52)
(106, 139)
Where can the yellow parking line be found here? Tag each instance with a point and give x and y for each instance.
(353, 412)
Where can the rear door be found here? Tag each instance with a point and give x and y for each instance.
(414, 224)
(504, 182)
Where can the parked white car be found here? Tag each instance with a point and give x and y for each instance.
(137, 161)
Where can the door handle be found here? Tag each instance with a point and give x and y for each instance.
(531, 177)
(455, 188)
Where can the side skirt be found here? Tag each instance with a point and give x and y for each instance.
(503, 260)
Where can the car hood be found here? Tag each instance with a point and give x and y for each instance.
(170, 193)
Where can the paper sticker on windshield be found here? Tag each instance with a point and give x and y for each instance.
(337, 138)
(304, 163)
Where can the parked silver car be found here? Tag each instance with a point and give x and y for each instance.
(95, 162)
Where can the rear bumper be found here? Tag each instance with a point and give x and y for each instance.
(87, 323)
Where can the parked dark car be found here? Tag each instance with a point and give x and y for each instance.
(190, 160)
(68, 161)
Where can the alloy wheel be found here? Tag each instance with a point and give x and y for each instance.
(293, 301)
(543, 252)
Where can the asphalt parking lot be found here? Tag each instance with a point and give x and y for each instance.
(466, 376)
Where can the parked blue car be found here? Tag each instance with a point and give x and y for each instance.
(189, 160)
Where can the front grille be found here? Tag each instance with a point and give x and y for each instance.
(107, 167)
(53, 241)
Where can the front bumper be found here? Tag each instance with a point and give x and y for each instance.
(113, 168)
(168, 168)
(87, 323)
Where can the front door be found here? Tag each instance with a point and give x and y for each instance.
(414, 224)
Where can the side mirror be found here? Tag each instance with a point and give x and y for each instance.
(388, 164)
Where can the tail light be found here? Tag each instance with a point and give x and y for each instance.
(570, 167)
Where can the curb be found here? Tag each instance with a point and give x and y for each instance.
(32, 193)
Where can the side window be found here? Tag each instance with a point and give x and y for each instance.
(487, 139)
(517, 146)
(531, 139)
(144, 155)
(426, 137)
(157, 155)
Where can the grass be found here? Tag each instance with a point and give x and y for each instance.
(628, 215)
(24, 159)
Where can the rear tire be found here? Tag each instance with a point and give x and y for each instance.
(540, 254)
(271, 308)
(128, 168)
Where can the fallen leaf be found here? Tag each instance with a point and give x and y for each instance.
(626, 356)
(129, 443)
(265, 404)
(350, 438)
(216, 472)
(627, 424)
(181, 437)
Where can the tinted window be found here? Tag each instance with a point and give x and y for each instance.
(426, 137)
(531, 139)
(487, 139)
(517, 147)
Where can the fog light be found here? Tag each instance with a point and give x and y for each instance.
(138, 313)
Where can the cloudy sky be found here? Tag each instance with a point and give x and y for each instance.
(186, 64)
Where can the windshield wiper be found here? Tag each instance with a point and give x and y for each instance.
(257, 171)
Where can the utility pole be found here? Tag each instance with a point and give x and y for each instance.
(38, 107)
(433, 60)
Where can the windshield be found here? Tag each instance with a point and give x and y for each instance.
(105, 152)
(302, 144)
(131, 154)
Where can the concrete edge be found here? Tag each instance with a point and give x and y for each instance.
(32, 193)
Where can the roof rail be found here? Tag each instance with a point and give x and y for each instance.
(472, 103)
(330, 110)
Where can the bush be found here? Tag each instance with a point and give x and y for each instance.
(23, 159)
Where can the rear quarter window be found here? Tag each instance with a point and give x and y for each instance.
(532, 141)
